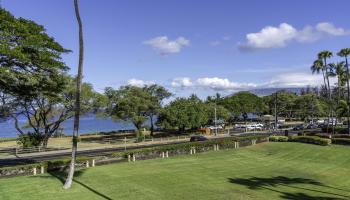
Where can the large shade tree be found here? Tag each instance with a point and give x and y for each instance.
(345, 53)
(184, 113)
(45, 114)
(129, 103)
(30, 60)
(157, 94)
(243, 103)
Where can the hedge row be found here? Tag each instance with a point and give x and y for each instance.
(310, 140)
(302, 139)
(338, 130)
(342, 141)
(49, 165)
(182, 147)
(278, 138)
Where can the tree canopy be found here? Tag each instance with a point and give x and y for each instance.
(30, 59)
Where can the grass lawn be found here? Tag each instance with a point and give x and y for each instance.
(265, 171)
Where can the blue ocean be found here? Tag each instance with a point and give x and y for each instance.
(88, 124)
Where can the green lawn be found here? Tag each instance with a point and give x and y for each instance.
(265, 171)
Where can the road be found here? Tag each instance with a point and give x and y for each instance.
(21, 160)
(47, 156)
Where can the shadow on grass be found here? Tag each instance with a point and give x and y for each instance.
(61, 176)
(255, 183)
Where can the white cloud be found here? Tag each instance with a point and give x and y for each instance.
(277, 37)
(216, 83)
(139, 83)
(308, 34)
(282, 80)
(213, 83)
(331, 29)
(270, 37)
(182, 82)
(164, 46)
(295, 80)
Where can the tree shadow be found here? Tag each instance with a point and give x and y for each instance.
(61, 176)
(303, 196)
(270, 184)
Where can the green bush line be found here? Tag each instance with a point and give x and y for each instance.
(342, 141)
(278, 138)
(223, 142)
(47, 164)
(303, 139)
(338, 130)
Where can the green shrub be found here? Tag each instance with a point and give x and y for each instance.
(338, 130)
(30, 139)
(278, 138)
(224, 142)
(311, 140)
(322, 135)
(341, 136)
(342, 141)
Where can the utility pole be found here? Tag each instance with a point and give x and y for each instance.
(276, 120)
(216, 128)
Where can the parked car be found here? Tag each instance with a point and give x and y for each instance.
(298, 127)
(198, 138)
(312, 126)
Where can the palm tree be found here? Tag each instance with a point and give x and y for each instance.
(324, 55)
(345, 53)
(318, 67)
(337, 69)
(342, 108)
(69, 179)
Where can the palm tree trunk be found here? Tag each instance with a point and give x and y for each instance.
(329, 93)
(69, 179)
(348, 88)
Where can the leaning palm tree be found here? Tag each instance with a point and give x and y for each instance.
(318, 67)
(69, 179)
(324, 55)
(345, 53)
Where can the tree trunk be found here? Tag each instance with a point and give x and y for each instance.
(69, 179)
(152, 127)
(348, 95)
(328, 94)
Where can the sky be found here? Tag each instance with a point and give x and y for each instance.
(196, 46)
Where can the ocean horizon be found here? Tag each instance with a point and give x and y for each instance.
(88, 124)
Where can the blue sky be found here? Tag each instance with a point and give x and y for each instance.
(195, 46)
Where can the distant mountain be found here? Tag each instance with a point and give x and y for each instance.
(268, 91)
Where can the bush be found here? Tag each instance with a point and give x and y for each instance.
(30, 139)
(341, 136)
(311, 140)
(338, 130)
(322, 135)
(223, 142)
(342, 141)
(278, 138)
